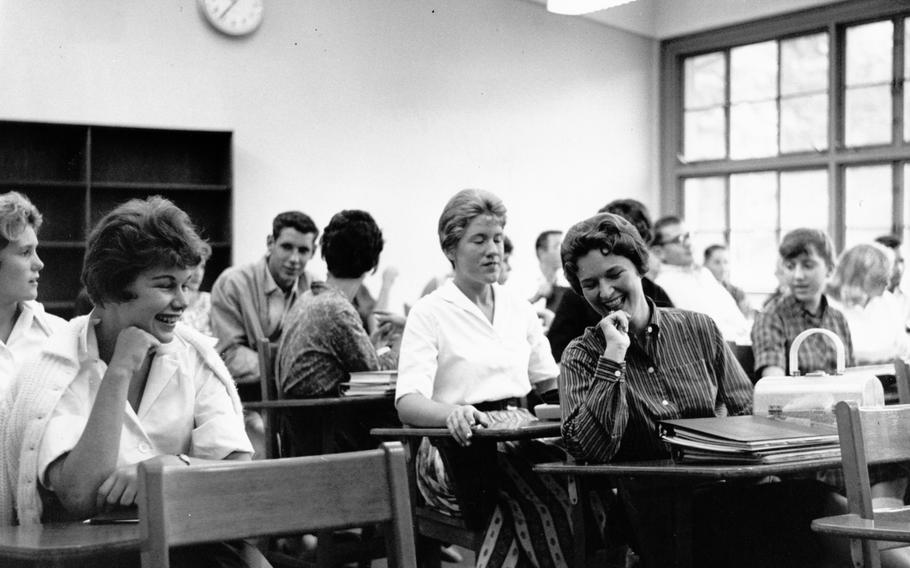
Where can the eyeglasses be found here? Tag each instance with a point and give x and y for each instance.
(677, 240)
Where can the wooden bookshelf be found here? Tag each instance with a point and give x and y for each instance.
(75, 174)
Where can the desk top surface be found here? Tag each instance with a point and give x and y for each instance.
(321, 402)
(67, 540)
(669, 469)
(499, 431)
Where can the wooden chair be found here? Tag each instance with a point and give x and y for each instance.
(902, 378)
(268, 384)
(182, 505)
(869, 436)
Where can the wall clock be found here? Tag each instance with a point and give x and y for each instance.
(232, 17)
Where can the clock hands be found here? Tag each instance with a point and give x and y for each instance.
(228, 9)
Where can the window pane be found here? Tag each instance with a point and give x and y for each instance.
(803, 200)
(804, 64)
(753, 130)
(906, 110)
(704, 138)
(868, 203)
(705, 205)
(753, 201)
(753, 72)
(753, 256)
(868, 119)
(869, 53)
(705, 80)
(906, 231)
(804, 123)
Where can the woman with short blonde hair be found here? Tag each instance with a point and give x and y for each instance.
(24, 325)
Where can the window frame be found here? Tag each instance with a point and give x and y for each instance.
(833, 19)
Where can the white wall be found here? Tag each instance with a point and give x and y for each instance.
(386, 105)
(667, 18)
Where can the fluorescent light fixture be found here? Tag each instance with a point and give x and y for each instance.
(577, 7)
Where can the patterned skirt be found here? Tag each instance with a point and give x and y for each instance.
(531, 521)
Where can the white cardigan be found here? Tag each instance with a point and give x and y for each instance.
(25, 413)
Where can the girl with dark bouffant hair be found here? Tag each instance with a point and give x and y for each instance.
(123, 384)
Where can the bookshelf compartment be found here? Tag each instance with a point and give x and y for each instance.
(160, 156)
(209, 211)
(63, 212)
(60, 278)
(46, 152)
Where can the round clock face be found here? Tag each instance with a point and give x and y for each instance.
(233, 17)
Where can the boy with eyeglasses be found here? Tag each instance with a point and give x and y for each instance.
(691, 286)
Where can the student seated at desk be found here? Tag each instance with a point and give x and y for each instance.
(123, 384)
(807, 263)
(641, 364)
(471, 347)
(324, 339)
(24, 325)
(859, 290)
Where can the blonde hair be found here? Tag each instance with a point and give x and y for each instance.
(461, 209)
(863, 272)
(16, 213)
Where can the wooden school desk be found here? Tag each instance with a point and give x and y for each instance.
(682, 480)
(67, 544)
(327, 407)
(475, 474)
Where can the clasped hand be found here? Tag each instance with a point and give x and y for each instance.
(462, 421)
(615, 327)
(133, 347)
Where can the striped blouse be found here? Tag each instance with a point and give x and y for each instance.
(683, 369)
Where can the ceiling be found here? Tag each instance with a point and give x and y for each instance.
(668, 18)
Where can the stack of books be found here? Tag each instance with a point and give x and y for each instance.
(364, 383)
(749, 439)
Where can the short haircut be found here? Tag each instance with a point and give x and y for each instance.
(712, 249)
(890, 241)
(608, 233)
(804, 241)
(544, 238)
(633, 211)
(659, 225)
(205, 251)
(351, 244)
(862, 272)
(463, 208)
(16, 213)
(295, 220)
(507, 246)
(136, 236)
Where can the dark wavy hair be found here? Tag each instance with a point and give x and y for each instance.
(351, 244)
(608, 233)
(804, 241)
(136, 236)
(633, 211)
(295, 220)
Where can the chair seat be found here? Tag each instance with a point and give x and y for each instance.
(890, 525)
(446, 528)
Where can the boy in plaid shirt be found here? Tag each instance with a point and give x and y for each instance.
(807, 258)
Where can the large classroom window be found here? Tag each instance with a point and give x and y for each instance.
(801, 120)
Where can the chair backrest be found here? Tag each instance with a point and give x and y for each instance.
(181, 505)
(902, 378)
(869, 436)
(268, 382)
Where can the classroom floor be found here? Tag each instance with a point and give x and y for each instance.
(467, 562)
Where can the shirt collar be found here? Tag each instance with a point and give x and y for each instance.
(451, 293)
(32, 313)
(795, 307)
(269, 284)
